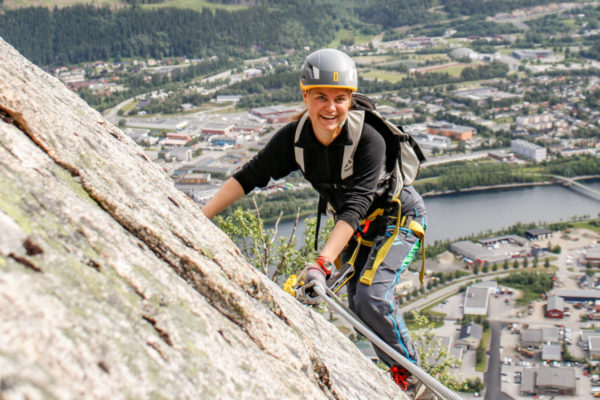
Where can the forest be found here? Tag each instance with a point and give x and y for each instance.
(84, 33)
(81, 33)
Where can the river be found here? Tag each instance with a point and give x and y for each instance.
(462, 214)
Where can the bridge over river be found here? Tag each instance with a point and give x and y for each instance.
(577, 186)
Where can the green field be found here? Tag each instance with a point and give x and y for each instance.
(375, 60)
(197, 5)
(344, 34)
(383, 75)
(454, 70)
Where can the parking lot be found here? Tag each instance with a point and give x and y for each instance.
(513, 362)
(503, 308)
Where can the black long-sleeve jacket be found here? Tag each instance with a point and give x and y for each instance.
(353, 198)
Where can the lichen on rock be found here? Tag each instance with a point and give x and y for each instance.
(114, 285)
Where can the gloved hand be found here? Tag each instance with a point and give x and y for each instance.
(314, 276)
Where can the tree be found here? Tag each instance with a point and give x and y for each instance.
(476, 269)
(546, 263)
(474, 384)
(516, 264)
(273, 255)
(434, 358)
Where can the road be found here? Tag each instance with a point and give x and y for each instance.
(492, 376)
(436, 296)
(112, 115)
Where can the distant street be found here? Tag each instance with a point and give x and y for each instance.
(492, 375)
(436, 296)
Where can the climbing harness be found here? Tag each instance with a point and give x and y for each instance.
(383, 247)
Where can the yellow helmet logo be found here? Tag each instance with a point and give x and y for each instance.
(336, 76)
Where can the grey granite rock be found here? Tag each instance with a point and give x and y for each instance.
(113, 285)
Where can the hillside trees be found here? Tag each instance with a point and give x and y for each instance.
(83, 33)
(457, 8)
(395, 13)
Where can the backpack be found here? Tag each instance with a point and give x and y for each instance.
(403, 154)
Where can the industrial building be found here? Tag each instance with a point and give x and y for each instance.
(275, 114)
(555, 307)
(551, 352)
(453, 131)
(546, 380)
(477, 300)
(491, 250)
(578, 295)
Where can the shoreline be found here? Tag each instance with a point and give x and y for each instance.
(455, 192)
(504, 186)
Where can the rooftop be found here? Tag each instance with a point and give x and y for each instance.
(556, 377)
(476, 297)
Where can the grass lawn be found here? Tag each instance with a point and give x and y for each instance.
(426, 57)
(485, 338)
(382, 75)
(504, 120)
(588, 225)
(129, 106)
(196, 5)
(453, 70)
(347, 34)
(376, 60)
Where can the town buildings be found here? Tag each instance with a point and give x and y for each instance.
(528, 150)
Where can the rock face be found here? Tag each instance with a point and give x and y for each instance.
(113, 285)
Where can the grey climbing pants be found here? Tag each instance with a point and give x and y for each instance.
(375, 304)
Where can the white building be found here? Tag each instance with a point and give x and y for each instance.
(528, 150)
(477, 300)
(594, 347)
(428, 141)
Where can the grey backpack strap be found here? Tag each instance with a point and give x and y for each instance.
(299, 151)
(355, 122)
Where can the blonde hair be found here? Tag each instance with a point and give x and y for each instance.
(299, 115)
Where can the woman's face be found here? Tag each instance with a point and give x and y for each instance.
(327, 109)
